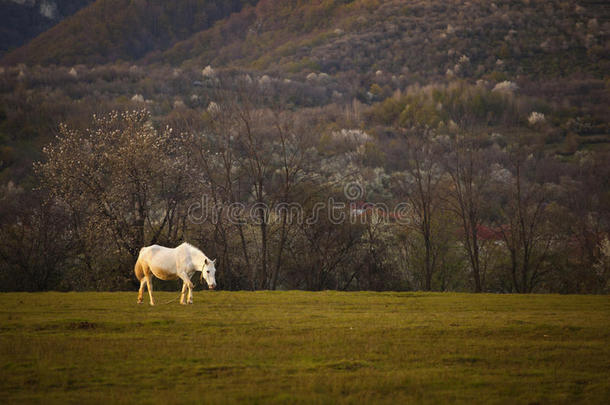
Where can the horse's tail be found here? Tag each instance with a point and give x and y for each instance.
(139, 269)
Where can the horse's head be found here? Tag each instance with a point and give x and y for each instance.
(208, 272)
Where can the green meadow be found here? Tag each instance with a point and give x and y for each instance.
(304, 347)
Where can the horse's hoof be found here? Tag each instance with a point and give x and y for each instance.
(152, 304)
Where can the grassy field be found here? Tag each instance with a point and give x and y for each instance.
(303, 347)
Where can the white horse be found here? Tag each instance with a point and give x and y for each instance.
(170, 264)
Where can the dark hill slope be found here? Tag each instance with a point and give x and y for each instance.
(110, 30)
(417, 39)
(431, 38)
(22, 20)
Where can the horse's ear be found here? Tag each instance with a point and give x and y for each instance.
(205, 262)
(214, 261)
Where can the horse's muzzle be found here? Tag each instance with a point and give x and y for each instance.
(212, 287)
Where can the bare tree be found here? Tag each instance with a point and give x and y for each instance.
(468, 166)
(35, 241)
(421, 186)
(523, 216)
(584, 224)
(254, 157)
(325, 248)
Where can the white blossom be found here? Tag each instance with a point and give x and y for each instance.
(213, 107)
(500, 174)
(354, 135)
(208, 72)
(505, 87)
(535, 118)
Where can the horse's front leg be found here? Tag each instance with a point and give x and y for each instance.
(187, 284)
(182, 295)
(190, 294)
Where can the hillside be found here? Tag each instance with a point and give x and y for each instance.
(22, 20)
(429, 39)
(423, 39)
(111, 30)
(303, 98)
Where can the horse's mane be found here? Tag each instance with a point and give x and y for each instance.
(195, 249)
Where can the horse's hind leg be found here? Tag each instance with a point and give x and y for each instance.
(139, 271)
(149, 285)
(141, 291)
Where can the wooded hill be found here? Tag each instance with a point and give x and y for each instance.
(381, 93)
(420, 39)
(111, 30)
